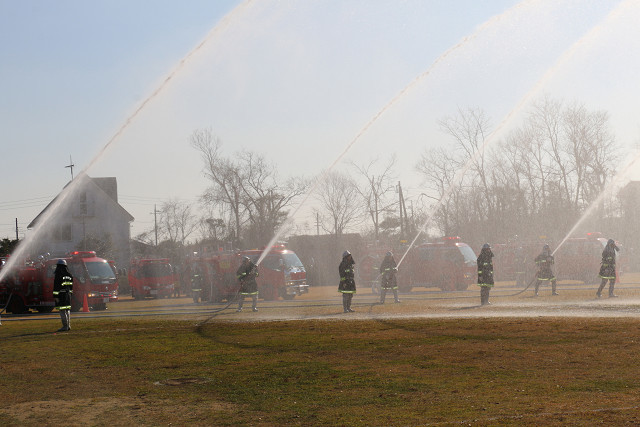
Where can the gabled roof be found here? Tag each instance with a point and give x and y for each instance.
(106, 188)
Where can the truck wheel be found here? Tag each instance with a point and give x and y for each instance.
(136, 295)
(17, 305)
(101, 306)
(268, 292)
(46, 309)
(288, 297)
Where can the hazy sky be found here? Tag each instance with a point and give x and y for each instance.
(293, 80)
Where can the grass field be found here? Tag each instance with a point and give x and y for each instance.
(472, 371)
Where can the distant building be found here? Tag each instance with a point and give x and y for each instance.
(91, 219)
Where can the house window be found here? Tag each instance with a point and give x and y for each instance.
(83, 203)
(62, 233)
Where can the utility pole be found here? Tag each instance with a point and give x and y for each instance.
(155, 222)
(70, 166)
(17, 229)
(317, 223)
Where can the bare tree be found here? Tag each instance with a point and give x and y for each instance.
(177, 221)
(247, 187)
(225, 176)
(374, 192)
(338, 197)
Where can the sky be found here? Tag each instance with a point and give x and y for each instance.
(296, 81)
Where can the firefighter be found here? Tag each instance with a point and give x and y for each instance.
(388, 270)
(347, 284)
(247, 273)
(196, 282)
(485, 273)
(544, 261)
(62, 290)
(519, 260)
(608, 268)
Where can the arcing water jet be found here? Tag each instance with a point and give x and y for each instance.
(28, 244)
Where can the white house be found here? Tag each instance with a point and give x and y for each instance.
(90, 216)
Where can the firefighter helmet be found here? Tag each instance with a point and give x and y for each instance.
(546, 248)
(486, 246)
(346, 254)
(389, 253)
(61, 262)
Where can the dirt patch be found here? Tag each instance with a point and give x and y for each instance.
(131, 410)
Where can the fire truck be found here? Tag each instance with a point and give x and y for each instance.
(30, 286)
(448, 264)
(153, 278)
(23, 289)
(579, 258)
(280, 274)
(368, 269)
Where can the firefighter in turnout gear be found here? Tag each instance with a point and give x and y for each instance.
(197, 280)
(247, 273)
(485, 273)
(62, 290)
(347, 284)
(608, 268)
(544, 261)
(388, 281)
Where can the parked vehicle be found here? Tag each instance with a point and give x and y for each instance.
(30, 286)
(448, 264)
(151, 278)
(280, 274)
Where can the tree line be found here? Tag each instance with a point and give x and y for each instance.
(536, 180)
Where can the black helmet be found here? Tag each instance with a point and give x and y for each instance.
(611, 242)
(345, 254)
(486, 246)
(546, 248)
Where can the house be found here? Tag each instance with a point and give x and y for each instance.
(86, 216)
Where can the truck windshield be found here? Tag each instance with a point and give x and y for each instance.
(100, 271)
(277, 261)
(468, 254)
(155, 270)
(292, 260)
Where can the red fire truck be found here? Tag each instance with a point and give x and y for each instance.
(448, 264)
(23, 289)
(31, 286)
(579, 258)
(154, 278)
(280, 274)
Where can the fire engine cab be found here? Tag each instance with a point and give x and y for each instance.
(448, 264)
(579, 258)
(153, 278)
(280, 274)
(92, 276)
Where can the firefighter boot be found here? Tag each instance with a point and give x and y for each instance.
(254, 305)
(240, 302)
(553, 288)
(535, 292)
(349, 303)
(599, 292)
(344, 303)
(383, 294)
(611, 285)
(395, 295)
(484, 295)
